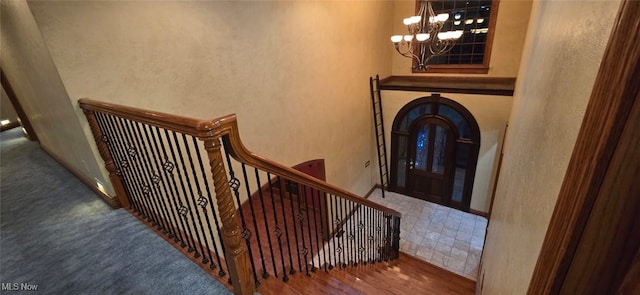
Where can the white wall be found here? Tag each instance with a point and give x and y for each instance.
(559, 66)
(296, 72)
(33, 75)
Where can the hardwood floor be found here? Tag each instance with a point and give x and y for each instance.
(406, 275)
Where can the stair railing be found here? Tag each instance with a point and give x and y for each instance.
(286, 221)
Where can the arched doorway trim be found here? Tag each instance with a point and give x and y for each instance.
(420, 130)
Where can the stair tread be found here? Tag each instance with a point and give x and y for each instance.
(406, 275)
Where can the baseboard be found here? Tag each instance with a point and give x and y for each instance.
(479, 213)
(373, 188)
(112, 201)
(9, 126)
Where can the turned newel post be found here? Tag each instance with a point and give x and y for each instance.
(100, 140)
(236, 251)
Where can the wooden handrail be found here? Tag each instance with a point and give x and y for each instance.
(186, 125)
(225, 127)
(211, 132)
(228, 129)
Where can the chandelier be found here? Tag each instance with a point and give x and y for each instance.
(425, 39)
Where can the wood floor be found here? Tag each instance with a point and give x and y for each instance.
(406, 275)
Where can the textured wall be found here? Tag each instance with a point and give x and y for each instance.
(296, 72)
(34, 78)
(559, 65)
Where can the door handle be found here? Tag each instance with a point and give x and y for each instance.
(411, 165)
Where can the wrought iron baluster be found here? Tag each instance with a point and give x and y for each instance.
(156, 166)
(110, 140)
(334, 222)
(352, 235)
(127, 171)
(169, 168)
(255, 223)
(294, 186)
(277, 230)
(380, 233)
(174, 229)
(189, 197)
(266, 224)
(148, 180)
(284, 217)
(135, 182)
(306, 205)
(361, 236)
(212, 266)
(370, 237)
(396, 237)
(322, 221)
(300, 216)
(201, 201)
(342, 231)
(133, 151)
(235, 184)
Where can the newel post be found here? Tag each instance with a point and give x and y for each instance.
(236, 251)
(103, 149)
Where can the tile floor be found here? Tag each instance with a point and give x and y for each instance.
(440, 235)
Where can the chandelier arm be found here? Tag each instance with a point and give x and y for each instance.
(407, 54)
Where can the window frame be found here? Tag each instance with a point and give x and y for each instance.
(465, 68)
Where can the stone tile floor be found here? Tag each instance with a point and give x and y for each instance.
(443, 236)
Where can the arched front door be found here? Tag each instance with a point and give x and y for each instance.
(431, 153)
(434, 151)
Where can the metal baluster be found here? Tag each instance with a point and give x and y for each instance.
(234, 183)
(174, 229)
(110, 140)
(212, 266)
(266, 224)
(342, 231)
(201, 201)
(352, 236)
(380, 234)
(183, 210)
(331, 236)
(323, 232)
(255, 223)
(130, 154)
(277, 230)
(170, 167)
(361, 237)
(286, 227)
(372, 230)
(132, 185)
(305, 250)
(387, 237)
(294, 186)
(149, 179)
(306, 206)
(157, 166)
(190, 199)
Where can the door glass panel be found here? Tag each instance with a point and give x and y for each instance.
(415, 113)
(422, 147)
(462, 162)
(457, 119)
(439, 150)
(402, 161)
